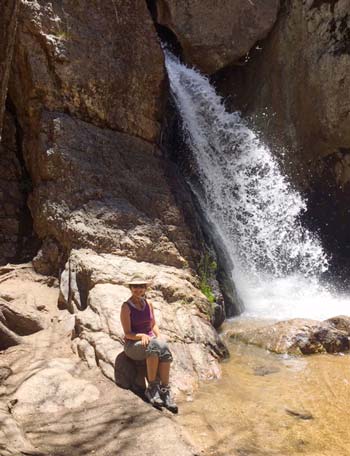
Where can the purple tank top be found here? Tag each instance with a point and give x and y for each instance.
(141, 320)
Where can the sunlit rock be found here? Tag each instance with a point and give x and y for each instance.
(297, 336)
(179, 309)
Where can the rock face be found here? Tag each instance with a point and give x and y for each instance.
(80, 60)
(18, 242)
(213, 35)
(298, 336)
(297, 88)
(8, 24)
(93, 287)
(89, 111)
(105, 190)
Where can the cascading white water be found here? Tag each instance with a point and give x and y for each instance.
(251, 206)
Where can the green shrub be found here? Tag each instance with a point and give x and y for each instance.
(207, 268)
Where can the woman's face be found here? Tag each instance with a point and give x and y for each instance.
(138, 290)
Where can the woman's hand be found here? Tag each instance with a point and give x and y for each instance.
(145, 340)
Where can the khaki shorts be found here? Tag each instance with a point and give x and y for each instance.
(156, 347)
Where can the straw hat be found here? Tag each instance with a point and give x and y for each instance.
(138, 279)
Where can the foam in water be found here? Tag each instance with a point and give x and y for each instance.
(251, 205)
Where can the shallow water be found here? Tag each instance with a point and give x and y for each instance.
(268, 404)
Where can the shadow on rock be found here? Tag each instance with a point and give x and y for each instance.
(130, 374)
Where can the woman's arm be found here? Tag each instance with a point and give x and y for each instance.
(155, 328)
(125, 321)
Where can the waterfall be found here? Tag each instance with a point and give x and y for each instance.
(251, 206)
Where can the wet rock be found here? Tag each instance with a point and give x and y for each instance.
(219, 314)
(195, 345)
(341, 322)
(213, 36)
(297, 336)
(261, 371)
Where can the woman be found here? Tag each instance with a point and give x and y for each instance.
(143, 342)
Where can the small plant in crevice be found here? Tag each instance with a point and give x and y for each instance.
(63, 35)
(207, 269)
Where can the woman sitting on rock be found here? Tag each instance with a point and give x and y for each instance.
(143, 342)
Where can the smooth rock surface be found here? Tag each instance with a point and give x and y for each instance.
(215, 34)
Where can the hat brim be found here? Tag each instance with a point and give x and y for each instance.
(138, 282)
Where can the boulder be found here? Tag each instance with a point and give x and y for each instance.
(178, 307)
(19, 316)
(28, 302)
(297, 336)
(8, 25)
(214, 35)
(341, 322)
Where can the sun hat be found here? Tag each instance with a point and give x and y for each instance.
(138, 279)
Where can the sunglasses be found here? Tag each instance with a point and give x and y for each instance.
(138, 286)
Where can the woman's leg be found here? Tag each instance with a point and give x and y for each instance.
(152, 368)
(164, 370)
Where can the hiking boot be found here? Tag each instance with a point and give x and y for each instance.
(168, 400)
(152, 394)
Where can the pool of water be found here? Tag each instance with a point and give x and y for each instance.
(268, 404)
